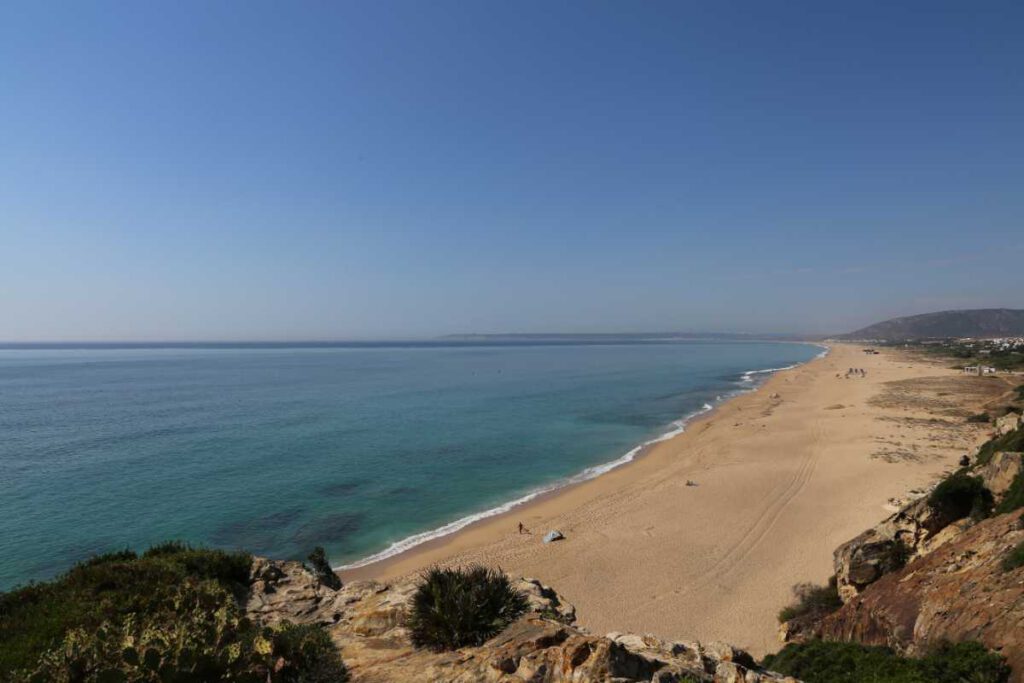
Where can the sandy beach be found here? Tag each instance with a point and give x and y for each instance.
(783, 475)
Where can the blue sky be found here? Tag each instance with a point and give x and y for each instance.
(332, 170)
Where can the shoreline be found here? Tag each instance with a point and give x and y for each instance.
(436, 536)
(783, 476)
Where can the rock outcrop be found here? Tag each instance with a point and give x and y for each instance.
(957, 592)
(999, 472)
(909, 532)
(366, 620)
(1007, 423)
(915, 530)
(287, 591)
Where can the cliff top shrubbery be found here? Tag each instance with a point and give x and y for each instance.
(812, 601)
(961, 495)
(1013, 499)
(170, 614)
(826, 662)
(461, 607)
(1015, 558)
(1011, 441)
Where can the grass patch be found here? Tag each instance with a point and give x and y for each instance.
(812, 601)
(1011, 441)
(824, 662)
(1014, 497)
(170, 614)
(1014, 558)
(455, 608)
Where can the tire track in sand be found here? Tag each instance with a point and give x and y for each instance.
(760, 527)
(753, 538)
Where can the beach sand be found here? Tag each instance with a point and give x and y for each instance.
(784, 475)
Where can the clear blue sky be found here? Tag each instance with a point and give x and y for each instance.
(334, 170)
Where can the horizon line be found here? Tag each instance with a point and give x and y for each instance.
(440, 339)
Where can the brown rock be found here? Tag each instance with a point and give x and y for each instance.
(542, 647)
(1007, 423)
(1000, 472)
(957, 592)
(864, 559)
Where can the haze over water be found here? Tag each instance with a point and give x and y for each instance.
(355, 448)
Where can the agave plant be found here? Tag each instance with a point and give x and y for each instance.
(462, 607)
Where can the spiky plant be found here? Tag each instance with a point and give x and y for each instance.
(461, 607)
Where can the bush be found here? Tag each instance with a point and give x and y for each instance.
(812, 601)
(1013, 499)
(454, 608)
(896, 556)
(194, 633)
(322, 569)
(824, 662)
(229, 568)
(170, 614)
(309, 655)
(1014, 558)
(961, 495)
(979, 418)
(1011, 441)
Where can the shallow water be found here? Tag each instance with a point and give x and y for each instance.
(355, 448)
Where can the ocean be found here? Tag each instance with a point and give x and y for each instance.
(364, 449)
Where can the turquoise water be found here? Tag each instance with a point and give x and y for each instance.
(355, 448)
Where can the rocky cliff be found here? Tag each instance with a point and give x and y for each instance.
(922, 577)
(366, 620)
(957, 592)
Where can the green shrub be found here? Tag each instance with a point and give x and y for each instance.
(825, 662)
(896, 556)
(961, 495)
(193, 632)
(170, 614)
(322, 569)
(979, 418)
(1014, 558)
(1013, 499)
(455, 608)
(116, 556)
(812, 601)
(1011, 441)
(309, 655)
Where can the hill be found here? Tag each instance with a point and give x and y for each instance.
(981, 322)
